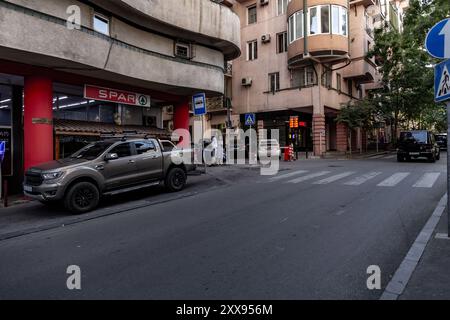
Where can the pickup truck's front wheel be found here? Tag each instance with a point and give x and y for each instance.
(175, 180)
(82, 197)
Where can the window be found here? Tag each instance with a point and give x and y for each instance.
(303, 77)
(252, 17)
(101, 24)
(144, 147)
(282, 6)
(313, 20)
(252, 50)
(325, 19)
(295, 26)
(338, 82)
(350, 87)
(123, 150)
(327, 78)
(282, 42)
(274, 82)
(182, 50)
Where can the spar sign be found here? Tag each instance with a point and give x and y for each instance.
(116, 96)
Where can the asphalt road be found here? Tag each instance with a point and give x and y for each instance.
(309, 233)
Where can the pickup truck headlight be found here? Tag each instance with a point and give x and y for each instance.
(52, 175)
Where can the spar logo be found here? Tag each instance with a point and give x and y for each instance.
(143, 101)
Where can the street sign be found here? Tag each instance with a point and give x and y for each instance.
(199, 103)
(250, 119)
(438, 40)
(442, 81)
(117, 96)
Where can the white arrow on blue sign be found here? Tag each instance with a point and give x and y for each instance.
(438, 40)
(442, 81)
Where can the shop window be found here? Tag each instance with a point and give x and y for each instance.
(101, 24)
(252, 14)
(282, 42)
(5, 105)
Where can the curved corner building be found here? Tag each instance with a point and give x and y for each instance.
(73, 70)
(306, 59)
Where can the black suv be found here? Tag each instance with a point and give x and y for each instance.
(441, 140)
(417, 143)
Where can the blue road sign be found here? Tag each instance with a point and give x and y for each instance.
(442, 81)
(438, 40)
(250, 119)
(199, 104)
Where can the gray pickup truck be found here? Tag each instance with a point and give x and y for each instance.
(104, 168)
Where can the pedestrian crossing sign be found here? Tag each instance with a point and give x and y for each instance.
(442, 81)
(250, 119)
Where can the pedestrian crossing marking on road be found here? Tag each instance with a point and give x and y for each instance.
(335, 177)
(287, 175)
(427, 180)
(393, 180)
(361, 179)
(309, 177)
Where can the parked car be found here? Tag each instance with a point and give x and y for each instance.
(441, 140)
(269, 148)
(169, 146)
(103, 168)
(417, 143)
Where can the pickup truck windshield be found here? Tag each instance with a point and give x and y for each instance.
(414, 136)
(92, 151)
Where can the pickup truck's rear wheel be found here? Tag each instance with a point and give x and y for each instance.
(82, 197)
(175, 180)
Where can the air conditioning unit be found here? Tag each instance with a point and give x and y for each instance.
(246, 82)
(264, 2)
(265, 38)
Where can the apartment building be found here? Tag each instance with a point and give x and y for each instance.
(72, 70)
(306, 59)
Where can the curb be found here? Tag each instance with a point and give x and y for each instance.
(404, 272)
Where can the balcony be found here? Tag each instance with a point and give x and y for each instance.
(204, 22)
(365, 3)
(361, 71)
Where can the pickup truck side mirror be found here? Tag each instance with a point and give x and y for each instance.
(111, 156)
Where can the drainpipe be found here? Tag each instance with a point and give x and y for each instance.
(348, 26)
(305, 28)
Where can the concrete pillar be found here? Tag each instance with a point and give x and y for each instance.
(181, 118)
(38, 120)
(319, 137)
(341, 137)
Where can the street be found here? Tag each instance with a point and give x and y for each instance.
(309, 232)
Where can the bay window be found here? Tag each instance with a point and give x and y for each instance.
(295, 26)
(321, 20)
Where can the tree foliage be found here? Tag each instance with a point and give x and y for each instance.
(406, 97)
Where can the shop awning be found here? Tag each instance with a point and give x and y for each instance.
(86, 128)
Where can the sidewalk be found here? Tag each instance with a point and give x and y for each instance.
(431, 278)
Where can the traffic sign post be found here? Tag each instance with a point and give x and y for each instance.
(199, 106)
(437, 44)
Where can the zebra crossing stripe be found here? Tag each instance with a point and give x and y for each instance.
(393, 180)
(287, 175)
(309, 177)
(427, 180)
(361, 179)
(335, 178)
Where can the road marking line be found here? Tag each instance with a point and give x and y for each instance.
(335, 177)
(287, 175)
(309, 176)
(393, 180)
(401, 277)
(427, 180)
(361, 179)
(390, 157)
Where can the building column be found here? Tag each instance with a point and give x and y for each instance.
(181, 117)
(38, 120)
(341, 137)
(319, 137)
